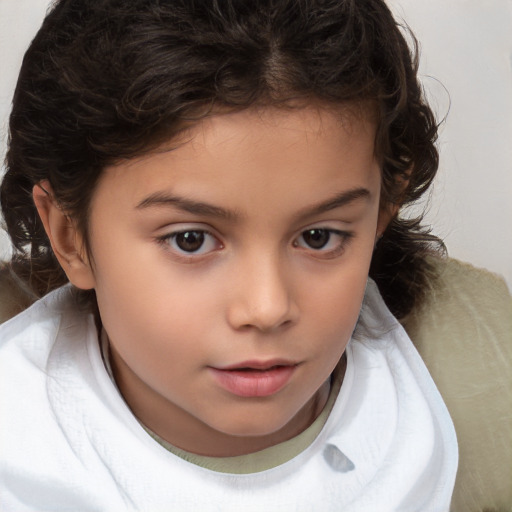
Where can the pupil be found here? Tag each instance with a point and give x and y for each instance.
(316, 238)
(190, 241)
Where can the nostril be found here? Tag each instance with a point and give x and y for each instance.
(262, 300)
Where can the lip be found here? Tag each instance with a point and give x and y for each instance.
(254, 378)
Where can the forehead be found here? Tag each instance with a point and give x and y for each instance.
(313, 119)
(237, 155)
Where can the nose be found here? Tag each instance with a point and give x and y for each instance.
(262, 295)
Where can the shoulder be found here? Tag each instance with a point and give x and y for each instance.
(39, 372)
(26, 340)
(463, 332)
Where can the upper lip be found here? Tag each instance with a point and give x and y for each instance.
(258, 365)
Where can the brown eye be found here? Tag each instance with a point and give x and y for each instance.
(316, 238)
(324, 243)
(189, 241)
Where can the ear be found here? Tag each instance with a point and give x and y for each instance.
(67, 243)
(389, 210)
(387, 213)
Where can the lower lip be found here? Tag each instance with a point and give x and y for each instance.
(254, 383)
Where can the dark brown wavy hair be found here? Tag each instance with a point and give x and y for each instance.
(110, 79)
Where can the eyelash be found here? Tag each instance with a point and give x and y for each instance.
(170, 239)
(339, 248)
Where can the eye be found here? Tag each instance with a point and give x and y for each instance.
(316, 238)
(325, 241)
(191, 242)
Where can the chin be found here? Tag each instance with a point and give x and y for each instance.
(253, 427)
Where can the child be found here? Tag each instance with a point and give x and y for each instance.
(217, 181)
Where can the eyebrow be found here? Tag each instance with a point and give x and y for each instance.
(187, 205)
(204, 209)
(342, 199)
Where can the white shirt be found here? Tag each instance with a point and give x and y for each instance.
(68, 442)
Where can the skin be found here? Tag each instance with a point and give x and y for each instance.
(249, 286)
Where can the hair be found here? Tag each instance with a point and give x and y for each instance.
(105, 80)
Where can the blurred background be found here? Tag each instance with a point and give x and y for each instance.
(466, 69)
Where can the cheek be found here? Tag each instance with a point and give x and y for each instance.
(150, 304)
(337, 308)
(334, 301)
(155, 337)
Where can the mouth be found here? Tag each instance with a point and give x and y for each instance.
(255, 365)
(249, 369)
(253, 378)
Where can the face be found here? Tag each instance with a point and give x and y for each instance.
(230, 271)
